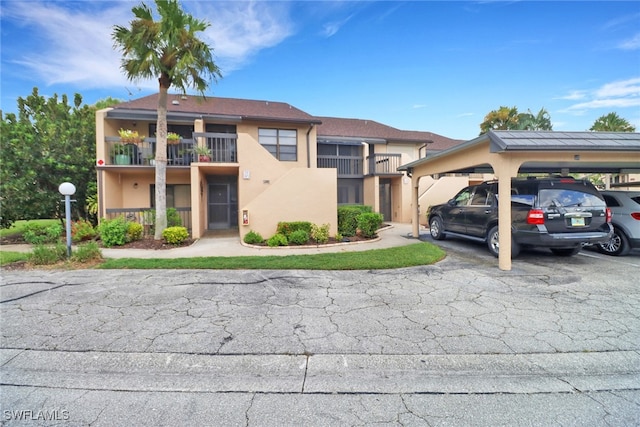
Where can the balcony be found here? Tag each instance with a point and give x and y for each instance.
(221, 150)
(348, 167)
(384, 164)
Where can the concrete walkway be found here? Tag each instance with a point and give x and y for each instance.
(395, 235)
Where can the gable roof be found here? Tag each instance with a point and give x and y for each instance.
(371, 131)
(233, 109)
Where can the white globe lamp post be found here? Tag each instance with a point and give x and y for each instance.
(67, 189)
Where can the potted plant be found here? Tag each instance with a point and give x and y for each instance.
(173, 138)
(120, 154)
(128, 136)
(203, 153)
(151, 160)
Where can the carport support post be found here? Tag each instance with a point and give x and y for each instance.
(504, 220)
(415, 214)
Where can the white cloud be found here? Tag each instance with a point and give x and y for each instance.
(617, 94)
(331, 28)
(630, 87)
(631, 44)
(76, 44)
(574, 95)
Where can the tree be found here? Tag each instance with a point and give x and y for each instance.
(47, 143)
(167, 49)
(612, 123)
(506, 118)
(541, 121)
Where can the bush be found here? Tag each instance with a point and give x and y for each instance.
(48, 254)
(253, 238)
(37, 234)
(287, 228)
(175, 235)
(82, 230)
(320, 233)
(299, 237)
(348, 218)
(173, 218)
(277, 239)
(368, 223)
(86, 252)
(113, 232)
(134, 231)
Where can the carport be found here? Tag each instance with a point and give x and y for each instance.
(507, 153)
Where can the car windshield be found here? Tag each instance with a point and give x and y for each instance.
(568, 198)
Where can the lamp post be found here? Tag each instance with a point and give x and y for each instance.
(67, 189)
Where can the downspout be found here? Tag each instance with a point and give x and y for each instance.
(309, 146)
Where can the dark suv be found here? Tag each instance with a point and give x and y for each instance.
(561, 214)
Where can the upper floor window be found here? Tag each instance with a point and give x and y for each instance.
(282, 143)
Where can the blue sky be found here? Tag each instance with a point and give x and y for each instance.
(415, 65)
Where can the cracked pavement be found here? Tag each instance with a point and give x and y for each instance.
(555, 341)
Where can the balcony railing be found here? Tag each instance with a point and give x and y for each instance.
(143, 153)
(348, 167)
(384, 164)
(145, 217)
(223, 147)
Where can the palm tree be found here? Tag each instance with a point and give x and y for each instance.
(169, 50)
(612, 123)
(541, 121)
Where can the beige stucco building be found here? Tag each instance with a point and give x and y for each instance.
(267, 162)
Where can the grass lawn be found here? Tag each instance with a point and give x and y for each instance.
(7, 257)
(18, 226)
(403, 256)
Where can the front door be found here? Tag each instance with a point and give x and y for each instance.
(223, 205)
(385, 199)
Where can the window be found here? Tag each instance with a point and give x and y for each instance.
(480, 197)
(349, 191)
(178, 196)
(462, 198)
(282, 143)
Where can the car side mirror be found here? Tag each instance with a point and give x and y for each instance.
(452, 202)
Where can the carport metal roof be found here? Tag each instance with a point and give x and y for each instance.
(507, 153)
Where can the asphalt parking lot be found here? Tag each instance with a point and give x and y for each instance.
(554, 341)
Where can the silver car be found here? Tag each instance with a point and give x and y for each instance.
(625, 206)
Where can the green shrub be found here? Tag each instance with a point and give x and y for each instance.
(320, 233)
(86, 252)
(173, 218)
(348, 218)
(175, 235)
(339, 237)
(277, 239)
(82, 230)
(287, 228)
(148, 217)
(48, 254)
(368, 223)
(253, 238)
(134, 231)
(38, 234)
(298, 237)
(113, 232)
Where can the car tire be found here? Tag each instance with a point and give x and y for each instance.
(566, 251)
(617, 246)
(436, 228)
(494, 246)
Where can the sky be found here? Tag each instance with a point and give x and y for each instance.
(414, 65)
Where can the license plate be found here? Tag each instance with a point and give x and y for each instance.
(577, 222)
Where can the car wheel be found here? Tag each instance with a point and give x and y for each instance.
(566, 251)
(436, 228)
(493, 243)
(618, 245)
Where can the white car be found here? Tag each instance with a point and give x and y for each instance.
(625, 206)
